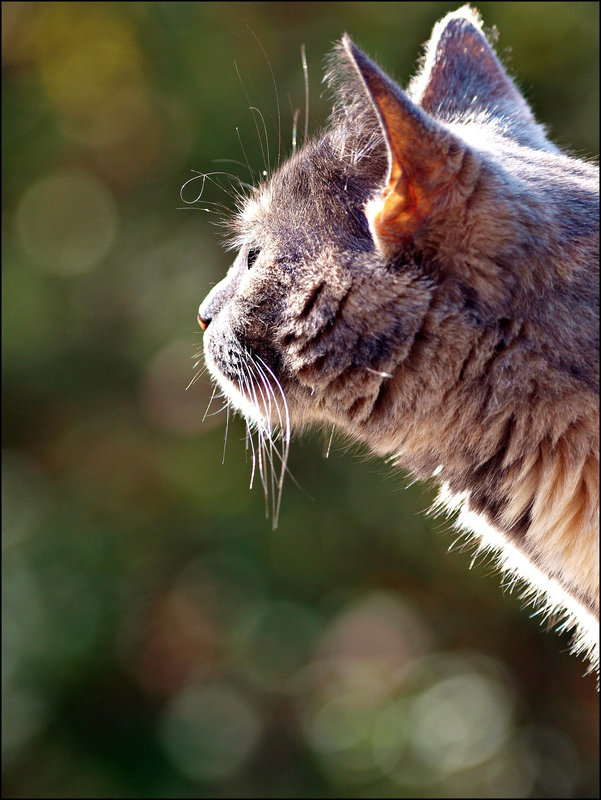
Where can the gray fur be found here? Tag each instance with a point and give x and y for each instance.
(464, 341)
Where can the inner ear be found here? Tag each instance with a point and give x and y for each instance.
(423, 158)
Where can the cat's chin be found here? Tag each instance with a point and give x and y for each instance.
(251, 408)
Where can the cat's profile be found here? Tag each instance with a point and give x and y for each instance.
(424, 276)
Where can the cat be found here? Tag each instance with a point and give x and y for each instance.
(424, 276)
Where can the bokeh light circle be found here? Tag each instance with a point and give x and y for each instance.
(67, 222)
(209, 731)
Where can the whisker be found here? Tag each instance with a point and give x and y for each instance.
(275, 89)
(253, 116)
(250, 169)
(208, 210)
(294, 124)
(306, 77)
(240, 163)
(197, 175)
(211, 176)
(249, 438)
(248, 385)
(197, 375)
(227, 427)
(285, 440)
(261, 435)
(210, 402)
(329, 447)
(267, 437)
(380, 374)
(268, 165)
(219, 410)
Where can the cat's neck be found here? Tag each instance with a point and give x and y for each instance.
(522, 466)
(528, 494)
(540, 496)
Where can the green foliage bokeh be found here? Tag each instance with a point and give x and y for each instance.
(159, 638)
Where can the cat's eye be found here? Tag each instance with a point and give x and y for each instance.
(252, 256)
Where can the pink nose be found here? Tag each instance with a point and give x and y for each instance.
(203, 322)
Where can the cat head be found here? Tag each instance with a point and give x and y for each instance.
(371, 260)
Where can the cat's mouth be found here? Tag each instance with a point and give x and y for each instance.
(251, 387)
(249, 384)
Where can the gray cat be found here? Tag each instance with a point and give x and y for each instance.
(424, 276)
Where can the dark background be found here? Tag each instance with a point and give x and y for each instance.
(159, 638)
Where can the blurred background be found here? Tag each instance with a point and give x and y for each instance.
(159, 638)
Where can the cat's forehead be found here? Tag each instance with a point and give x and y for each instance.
(277, 193)
(251, 214)
(254, 206)
(319, 188)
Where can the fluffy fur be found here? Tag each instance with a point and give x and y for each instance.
(424, 275)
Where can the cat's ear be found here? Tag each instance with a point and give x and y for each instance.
(461, 76)
(424, 159)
